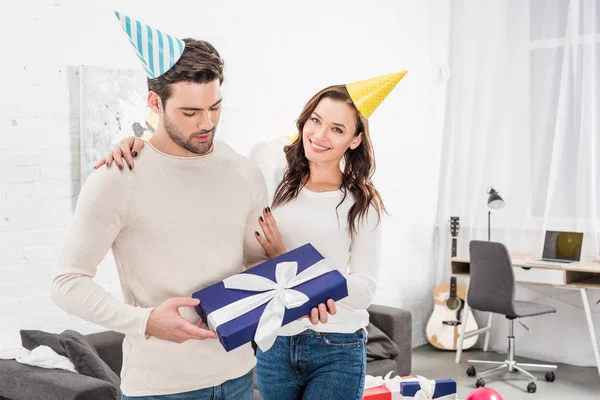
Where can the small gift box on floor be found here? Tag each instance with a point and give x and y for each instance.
(408, 387)
(384, 388)
(424, 389)
(255, 303)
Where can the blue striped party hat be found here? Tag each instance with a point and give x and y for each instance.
(157, 51)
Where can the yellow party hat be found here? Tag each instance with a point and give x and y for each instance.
(367, 95)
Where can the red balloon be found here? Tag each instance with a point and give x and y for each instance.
(484, 393)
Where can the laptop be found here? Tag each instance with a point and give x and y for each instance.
(561, 248)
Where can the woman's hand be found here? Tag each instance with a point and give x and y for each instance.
(274, 246)
(127, 149)
(271, 241)
(321, 313)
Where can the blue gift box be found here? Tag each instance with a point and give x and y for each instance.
(241, 330)
(443, 387)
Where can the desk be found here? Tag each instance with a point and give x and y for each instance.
(580, 276)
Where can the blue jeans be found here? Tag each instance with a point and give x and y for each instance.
(241, 388)
(313, 365)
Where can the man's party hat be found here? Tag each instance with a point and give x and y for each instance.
(157, 51)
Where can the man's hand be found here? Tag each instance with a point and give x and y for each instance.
(166, 323)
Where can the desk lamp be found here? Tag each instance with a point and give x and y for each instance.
(495, 203)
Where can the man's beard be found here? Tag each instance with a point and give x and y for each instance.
(192, 145)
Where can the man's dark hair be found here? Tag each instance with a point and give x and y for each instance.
(199, 63)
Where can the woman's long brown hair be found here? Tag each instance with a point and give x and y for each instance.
(359, 164)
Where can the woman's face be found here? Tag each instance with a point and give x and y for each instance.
(329, 132)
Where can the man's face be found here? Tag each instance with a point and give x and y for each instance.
(192, 114)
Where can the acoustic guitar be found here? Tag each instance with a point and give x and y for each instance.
(443, 327)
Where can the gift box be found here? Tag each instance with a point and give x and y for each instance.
(408, 387)
(383, 388)
(255, 303)
(378, 393)
(442, 389)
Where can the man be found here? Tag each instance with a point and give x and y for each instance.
(182, 220)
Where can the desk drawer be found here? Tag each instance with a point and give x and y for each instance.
(540, 275)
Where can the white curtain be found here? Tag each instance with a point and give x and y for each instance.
(523, 116)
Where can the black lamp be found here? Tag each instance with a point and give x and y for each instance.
(495, 203)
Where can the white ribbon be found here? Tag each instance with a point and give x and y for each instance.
(278, 295)
(392, 384)
(427, 389)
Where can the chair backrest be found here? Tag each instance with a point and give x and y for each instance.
(492, 282)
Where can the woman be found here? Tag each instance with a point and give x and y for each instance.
(326, 197)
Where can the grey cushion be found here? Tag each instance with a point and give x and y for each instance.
(88, 362)
(24, 382)
(30, 339)
(109, 345)
(77, 348)
(379, 345)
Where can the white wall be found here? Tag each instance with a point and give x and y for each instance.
(276, 58)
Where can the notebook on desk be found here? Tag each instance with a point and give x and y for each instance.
(561, 248)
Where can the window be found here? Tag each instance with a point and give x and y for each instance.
(565, 106)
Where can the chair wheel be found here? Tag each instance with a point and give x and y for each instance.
(480, 383)
(550, 377)
(471, 371)
(531, 388)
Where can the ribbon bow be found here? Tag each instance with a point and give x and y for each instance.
(427, 389)
(392, 384)
(278, 295)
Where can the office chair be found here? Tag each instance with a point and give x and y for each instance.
(492, 289)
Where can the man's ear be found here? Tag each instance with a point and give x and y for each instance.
(155, 103)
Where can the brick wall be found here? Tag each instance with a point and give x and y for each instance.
(276, 59)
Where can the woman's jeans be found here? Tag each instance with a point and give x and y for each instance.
(313, 365)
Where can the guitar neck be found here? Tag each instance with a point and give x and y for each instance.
(453, 247)
(453, 279)
(453, 287)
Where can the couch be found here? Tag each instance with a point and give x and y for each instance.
(24, 382)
